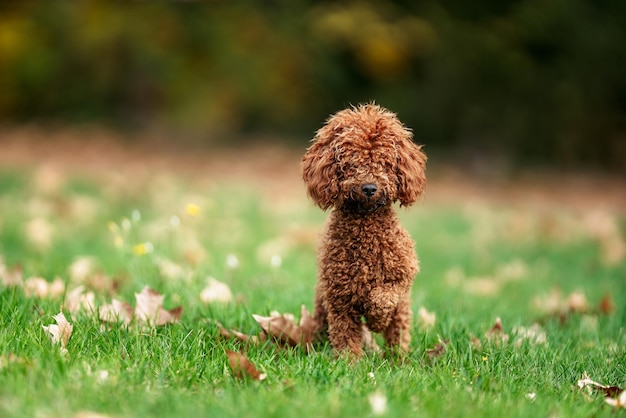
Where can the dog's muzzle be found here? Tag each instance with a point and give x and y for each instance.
(365, 199)
(369, 189)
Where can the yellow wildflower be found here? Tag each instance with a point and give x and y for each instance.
(192, 209)
(143, 248)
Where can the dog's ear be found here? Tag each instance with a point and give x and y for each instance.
(319, 169)
(411, 167)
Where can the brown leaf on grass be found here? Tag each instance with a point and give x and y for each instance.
(482, 286)
(438, 350)
(77, 299)
(604, 228)
(534, 334)
(116, 311)
(475, 342)
(615, 396)
(39, 287)
(496, 333)
(556, 306)
(240, 336)
(307, 325)
(169, 317)
(514, 270)
(618, 401)
(606, 306)
(242, 367)
(281, 328)
(61, 332)
(10, 277)
(549, 304)
(172, 270)
(216, 292)
(149, 309)
(426, 319)
(81, 269)
(40, 232)
(577, 302)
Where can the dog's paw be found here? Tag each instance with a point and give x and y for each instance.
(383, 300)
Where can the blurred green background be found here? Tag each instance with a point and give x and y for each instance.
(530, 81)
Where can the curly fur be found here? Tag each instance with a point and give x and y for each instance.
(361, 161)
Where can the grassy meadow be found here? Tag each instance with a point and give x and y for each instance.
(554, 273)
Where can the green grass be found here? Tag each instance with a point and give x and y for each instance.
(182, 370)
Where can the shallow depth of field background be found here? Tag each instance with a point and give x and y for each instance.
(159, 143)
(523, 81)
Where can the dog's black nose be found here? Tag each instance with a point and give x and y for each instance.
(369, 189)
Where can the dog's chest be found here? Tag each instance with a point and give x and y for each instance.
(362, 256)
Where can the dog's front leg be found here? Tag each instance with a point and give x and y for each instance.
(345, 333)
(380, 307)
(397, 333)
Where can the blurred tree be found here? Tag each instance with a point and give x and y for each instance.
(530, 79)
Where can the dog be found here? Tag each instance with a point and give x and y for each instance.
(361, 162)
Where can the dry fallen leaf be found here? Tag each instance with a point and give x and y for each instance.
(116, 311)
(242, 367)
(216, 291)
(438, 350)
(577, 302)
(149, 308)
(61, 332)
(281, 328)
(308, 325)
(39, 232)
(10, 277)
(475, 342)
(240, 336)
(81, 268)
(618, 401)
(172, 271)
(496, 334)
(555, 306)
(615, 396)
(607, 306)
(533, 334)
(76, 299)
(426, 319)
(40, 288)
(482, 286)
(512, 271)
(550, 304)
(604, 228)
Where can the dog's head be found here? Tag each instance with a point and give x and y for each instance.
(362, 159)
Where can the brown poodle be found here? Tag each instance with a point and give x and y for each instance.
(363, 160)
